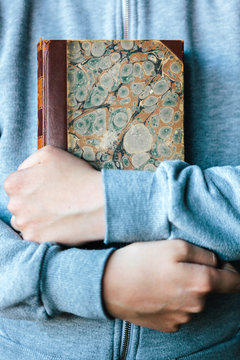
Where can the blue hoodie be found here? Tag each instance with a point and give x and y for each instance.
(50, 297)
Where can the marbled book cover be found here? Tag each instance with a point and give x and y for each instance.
(124, 102)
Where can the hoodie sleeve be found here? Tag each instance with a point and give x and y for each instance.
(42, 281)
(176, 201)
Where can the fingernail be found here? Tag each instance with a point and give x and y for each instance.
(229, 268)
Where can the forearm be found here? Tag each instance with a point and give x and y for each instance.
(177, 201)
(41, 281)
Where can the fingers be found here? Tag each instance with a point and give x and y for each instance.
(14, 226)
(12, 183)
(17, 182)
(168, 322)
(194, 254)
(13, 223)
(203, 279)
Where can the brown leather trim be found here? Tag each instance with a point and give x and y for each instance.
(40, 142)
(40, 125)
(55, 94)
(176, 46)
(40, 91)
(43, 44)
(39, 45)
(40, 114)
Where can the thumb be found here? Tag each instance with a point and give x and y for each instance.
(198, 255)
(226, 280)
(228, 266)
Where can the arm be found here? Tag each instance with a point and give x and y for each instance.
(177, 201)
(70, 280)
(39, 282)
(42, 281)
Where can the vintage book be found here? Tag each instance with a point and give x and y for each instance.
(115, 103)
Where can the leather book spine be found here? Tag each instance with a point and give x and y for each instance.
(177, 47)
(52, 89)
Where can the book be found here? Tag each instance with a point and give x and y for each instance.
(118, 104)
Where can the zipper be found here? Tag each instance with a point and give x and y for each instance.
(125, 18)
(127, 327)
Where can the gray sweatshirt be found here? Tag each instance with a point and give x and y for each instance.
(50, 297)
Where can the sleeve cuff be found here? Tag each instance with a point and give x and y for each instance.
(135, 206)
(71, 281)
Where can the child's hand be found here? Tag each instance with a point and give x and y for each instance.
(56, 197)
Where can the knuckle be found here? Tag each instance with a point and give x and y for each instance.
(10, 206)
(13, 183)
(13, 206)
(9, 184)
(182, 247)
(21, 222)
(199, 307)
(174, 328)
(29, 234)
(205, 283)
(6, 185)
(185, 318)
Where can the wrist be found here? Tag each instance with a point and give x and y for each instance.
(99, 215)
(99, 188)
(109, 291)
(116, 285)
(105, 288)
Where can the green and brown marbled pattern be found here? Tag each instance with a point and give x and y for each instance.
(124, 103)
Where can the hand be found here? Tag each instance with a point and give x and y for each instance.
(56, 197)
(160, 284)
